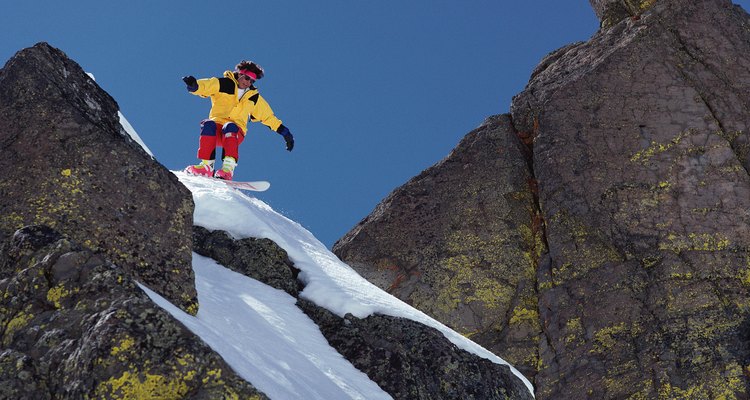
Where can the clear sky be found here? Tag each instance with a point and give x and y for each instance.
(373, 91)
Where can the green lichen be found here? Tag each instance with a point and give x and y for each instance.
(656, 148)
(682, 276)
(174, 383)
(12, 221)
(574, 332)
(608, 337)
(650, 261)
(471, 274)
(726, 384)
(644, 5)
(709, 328)
(534, 244)
(15, 324)
(192, 306)
(703, 210)
(141, 385)
(470, 282)
(744, 273)
(618, 381)
(694, 242)
(522, 314)
(587, 251)
(123, 347)
(59, 292)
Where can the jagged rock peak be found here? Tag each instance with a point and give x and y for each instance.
(68, 164)
(611, 12)
(628, 275)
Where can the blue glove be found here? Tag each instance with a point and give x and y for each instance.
(192, 84)
(284, 131)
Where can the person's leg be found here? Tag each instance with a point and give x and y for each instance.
(232, 138)
(209, 139)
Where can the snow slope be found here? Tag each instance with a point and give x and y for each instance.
(259, 331)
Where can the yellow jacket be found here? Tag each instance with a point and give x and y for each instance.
(226, 107)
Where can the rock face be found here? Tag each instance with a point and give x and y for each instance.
(470, 258)
(75, 326)
(412, 361)
(406, 359)
(640, 148)
(68, 164)
(611, 12)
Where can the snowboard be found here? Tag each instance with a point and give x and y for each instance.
(255, 186)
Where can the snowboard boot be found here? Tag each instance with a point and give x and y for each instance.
(227, 169)
(205, 168)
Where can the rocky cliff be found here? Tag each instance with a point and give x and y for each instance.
(68, 164)
(619, 267)
(86, 216)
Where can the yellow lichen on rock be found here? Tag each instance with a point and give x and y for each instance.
(724, 384)
(142, 386)
(125, 345)
(57, 293)
(656, 148)
(695, 242)
(15, 324)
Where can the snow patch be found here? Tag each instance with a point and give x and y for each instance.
(329, 282)
(267, 339)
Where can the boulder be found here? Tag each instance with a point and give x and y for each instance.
(73, 325)
(69, 164)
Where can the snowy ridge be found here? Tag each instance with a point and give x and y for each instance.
(288, 368)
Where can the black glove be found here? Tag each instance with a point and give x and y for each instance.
(192, 84)
(284, 131)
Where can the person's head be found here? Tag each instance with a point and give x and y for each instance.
(247, 72)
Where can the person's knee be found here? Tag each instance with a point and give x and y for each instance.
(230, 129)
(208, 128)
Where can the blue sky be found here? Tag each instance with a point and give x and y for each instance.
(374, 92)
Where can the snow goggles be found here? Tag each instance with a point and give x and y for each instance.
(248, 75)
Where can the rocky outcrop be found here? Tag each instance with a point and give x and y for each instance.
(260, 259)
(68, 164)
(610, 12)
(75, 326)
(406, 359)
(640, 149)
(461, 242)
(412, 361)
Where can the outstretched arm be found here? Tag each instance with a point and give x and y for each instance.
(263, 113)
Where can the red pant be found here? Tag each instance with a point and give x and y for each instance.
(227, 136)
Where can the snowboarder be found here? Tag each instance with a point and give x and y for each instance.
(234, 99)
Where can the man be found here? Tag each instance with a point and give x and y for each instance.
(234, 99)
